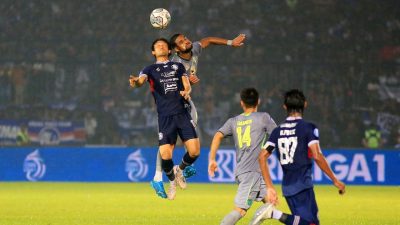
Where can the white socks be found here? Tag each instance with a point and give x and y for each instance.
(276, 214)
(158, 176)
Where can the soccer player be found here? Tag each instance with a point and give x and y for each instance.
(188, 54)
(170, 87)
(297, 143)
(248, 130)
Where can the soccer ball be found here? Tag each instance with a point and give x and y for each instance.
(160, 18)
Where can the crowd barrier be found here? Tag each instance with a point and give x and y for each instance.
(134, 164)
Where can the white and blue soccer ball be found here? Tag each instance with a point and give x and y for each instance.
(160, 18)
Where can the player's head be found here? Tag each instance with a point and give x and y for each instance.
(160, 47)
(180, 43)
(295, 101)
(249, 98)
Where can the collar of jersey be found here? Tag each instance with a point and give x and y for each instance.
(294, 118)
(162, 62)
(247, 114)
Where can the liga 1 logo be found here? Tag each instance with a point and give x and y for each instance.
(226, 161)
(34, 166)
(136, 166)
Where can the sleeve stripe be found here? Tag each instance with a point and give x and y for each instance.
(312, 142)
(268, 143)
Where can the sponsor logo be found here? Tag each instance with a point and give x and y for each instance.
(168, 74)
(158, 69)
(357, 168)
(34, 166)
(49, 136)
(226, 160)
(136, 166)
(170, 87)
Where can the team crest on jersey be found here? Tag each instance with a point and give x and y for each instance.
(160, 136)
(174, 67)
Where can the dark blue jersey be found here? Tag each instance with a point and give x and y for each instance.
(291, 140)
(165, 84)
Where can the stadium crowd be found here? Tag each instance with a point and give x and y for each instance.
(71, 60)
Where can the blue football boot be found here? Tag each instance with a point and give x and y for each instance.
(189, 171)
(158, 186)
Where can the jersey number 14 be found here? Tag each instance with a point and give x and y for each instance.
(243, 137)
(287, 148)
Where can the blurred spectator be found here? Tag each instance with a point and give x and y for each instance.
(90, 123)
(60, 59)
(372, 137)
(23, 136)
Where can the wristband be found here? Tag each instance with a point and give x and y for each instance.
(229, 42)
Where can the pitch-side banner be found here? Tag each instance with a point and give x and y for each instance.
(133, 164)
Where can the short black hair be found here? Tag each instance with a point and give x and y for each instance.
(294, 101)
(249, 96)
(160, 39)
(173, 39)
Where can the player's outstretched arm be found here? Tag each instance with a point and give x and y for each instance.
(323, 164)
(272, 196)
(236, 42)
(135, 81)
(212, 164)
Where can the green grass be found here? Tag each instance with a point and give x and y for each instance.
(135, 203)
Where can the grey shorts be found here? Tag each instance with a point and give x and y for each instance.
(193, 112)
(251, 188)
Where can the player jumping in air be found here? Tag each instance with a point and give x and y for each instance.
(170, 87)
(187, 53)
(297, 143)
(248, 129)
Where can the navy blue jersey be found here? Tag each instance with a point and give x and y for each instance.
(165, 84)
(291, 140)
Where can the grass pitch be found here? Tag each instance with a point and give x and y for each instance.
(201, 204)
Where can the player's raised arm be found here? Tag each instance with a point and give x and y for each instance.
(323, 164)
(135, 81)
(272, 197)
(236, 42)
(212, 164)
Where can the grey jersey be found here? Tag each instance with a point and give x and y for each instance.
(190, 65)
(248, 131)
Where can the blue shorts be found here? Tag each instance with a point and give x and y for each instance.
(169, 127)
(303, 204)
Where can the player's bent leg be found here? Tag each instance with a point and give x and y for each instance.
(168, 167)
(193, 151)
(234, 216)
